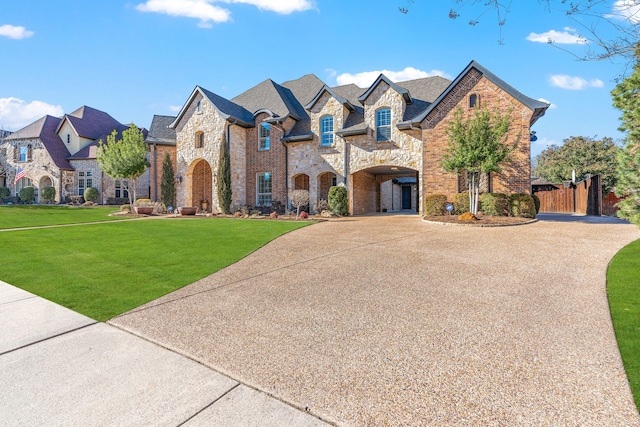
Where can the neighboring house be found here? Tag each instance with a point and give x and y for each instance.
(61, 153)
(3, 156)
(384, 143)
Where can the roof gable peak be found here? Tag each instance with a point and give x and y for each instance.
(382, 78)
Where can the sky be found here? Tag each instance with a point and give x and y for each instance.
(134, 59)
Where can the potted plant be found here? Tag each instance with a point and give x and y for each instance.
(187, 210)
(143, 207)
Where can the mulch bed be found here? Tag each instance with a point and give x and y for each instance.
(483, 221)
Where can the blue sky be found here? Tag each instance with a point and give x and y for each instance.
(134, 59)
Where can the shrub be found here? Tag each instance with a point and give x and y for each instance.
(435, 204)
(468, 216)
(304, 215)
(522, 205)
(125, 208)
(536, 201)
(48, 194)
(322, 205)
(143, 203)
(461, 203)
(159, 208)
(26, 194)
(4, 192)
(339, 200)
(91, 194)
(495, 204)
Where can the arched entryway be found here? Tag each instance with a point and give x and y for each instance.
(45, 182)
(326, 180)
(301, 182)
(384, 189)
(200, 185)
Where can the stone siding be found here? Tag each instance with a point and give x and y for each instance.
(156, 156)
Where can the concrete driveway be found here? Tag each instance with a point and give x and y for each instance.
(385, 320)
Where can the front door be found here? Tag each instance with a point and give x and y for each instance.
(406, 197)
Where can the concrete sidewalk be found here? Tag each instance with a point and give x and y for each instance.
(62, 368)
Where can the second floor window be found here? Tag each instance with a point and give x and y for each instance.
(264, 136)
(473, 100)
(326, 130)
(199, 139)
(383, 124)
(24, 151)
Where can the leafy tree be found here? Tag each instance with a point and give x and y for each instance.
(26, 194)
(625, 98)
(477, 144)
(583, 154)
(224, 177)
(338, 200)
(168, 182)
(596, 18)
(124, 159)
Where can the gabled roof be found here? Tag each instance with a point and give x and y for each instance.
(382, 78)
(536, 106)
(227, 109)
(326, 89)
(91, 123)
(304, 88)
(269, 96)
(44, 129)
(160, 132)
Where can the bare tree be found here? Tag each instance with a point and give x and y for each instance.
(592, 18)
(298, 199)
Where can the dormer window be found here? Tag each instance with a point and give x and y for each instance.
(199, 139)
(473, 100)
(326, 131)
(383, 124)
(264, 136)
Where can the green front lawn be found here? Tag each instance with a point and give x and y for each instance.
(102, 270)
(623, 288)
(19, 216)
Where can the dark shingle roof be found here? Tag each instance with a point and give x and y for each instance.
(264, 96)
(304, 88)
(91, 123)
(382, 78)
(228, 109)
(537, 107)
(88, 152)
(160, 132)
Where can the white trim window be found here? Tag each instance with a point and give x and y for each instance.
(263, 189)
(326, 131)
(85, 180)
(264, 136)
(383, 124)
(121, 191)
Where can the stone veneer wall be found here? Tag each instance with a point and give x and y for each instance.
(314, 160)
(516, 173)
(40, 167)
(238, 156)
(208, 121)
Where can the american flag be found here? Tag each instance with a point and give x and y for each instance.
(19, 175)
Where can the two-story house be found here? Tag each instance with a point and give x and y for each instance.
(384, 143)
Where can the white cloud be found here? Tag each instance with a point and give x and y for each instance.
(208, 13)
(551, 104)
(626, 10)
(568, 36)
(284, 7)
(15, 32)
(366, 78)
(199, 9)
(175, 108)
(16, 113)
(574, 83)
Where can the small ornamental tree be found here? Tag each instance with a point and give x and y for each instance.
(168, 182)
(26, 194)
(476, 144)
(91, 194)
(124, 159)
(224, 177)
(298, 199)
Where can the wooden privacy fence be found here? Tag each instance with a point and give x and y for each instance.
(584, 197)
